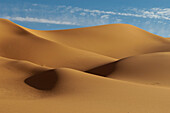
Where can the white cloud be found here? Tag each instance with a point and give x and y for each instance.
(82, 14)
(118, 20)
(71, 15)
(40, 20)
(105, 16)
(156, 13)
(93, 14)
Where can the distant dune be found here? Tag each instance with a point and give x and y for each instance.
(114, 40)
(115, 68)
(18, 43)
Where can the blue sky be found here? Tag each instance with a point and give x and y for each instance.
(150, 15)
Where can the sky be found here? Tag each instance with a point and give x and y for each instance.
(150, 15)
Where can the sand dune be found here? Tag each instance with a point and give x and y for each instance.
(76, 91)
(116, 68)
(150, 69)
(114, 40)
(12, 76)
(22, 45)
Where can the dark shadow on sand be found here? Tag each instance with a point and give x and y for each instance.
(103, 70)
(106, 69)
(45, 80)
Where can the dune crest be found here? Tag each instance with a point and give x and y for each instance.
(113, 40)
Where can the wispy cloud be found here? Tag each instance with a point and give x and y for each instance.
(80, 16)
(156, 13)
(39, 20)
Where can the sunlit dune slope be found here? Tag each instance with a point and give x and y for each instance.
(76, 91)
(114, 40)
(17, 43)
(12, 76)
(151, 68)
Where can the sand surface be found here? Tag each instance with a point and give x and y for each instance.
(115, 68)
